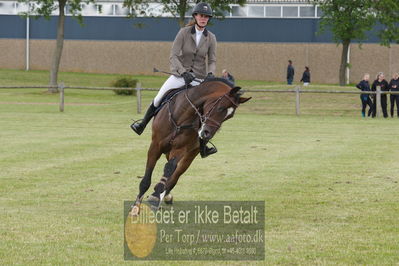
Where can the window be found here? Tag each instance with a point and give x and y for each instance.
(89, 9)
(238, 11)
(256, 11)
(290, 11)
(107, 9)
(273, 11)
(121, 11)
(307, 11)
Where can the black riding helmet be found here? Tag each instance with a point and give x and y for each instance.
(203, 8)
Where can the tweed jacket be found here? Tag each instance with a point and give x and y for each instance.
(186, 56)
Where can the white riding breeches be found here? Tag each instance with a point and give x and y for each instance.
(172, 82)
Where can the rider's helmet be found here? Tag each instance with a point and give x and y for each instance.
(203, 8)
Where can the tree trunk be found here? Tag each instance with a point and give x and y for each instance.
(344, 60)
(181, 22)
(58, 48)
(182, 12)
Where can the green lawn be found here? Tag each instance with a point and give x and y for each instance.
(329, 178)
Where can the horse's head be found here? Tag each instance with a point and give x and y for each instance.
(219, 109)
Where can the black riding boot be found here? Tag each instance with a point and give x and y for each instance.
(206, 151)
(139, 127)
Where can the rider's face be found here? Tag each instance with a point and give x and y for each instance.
(202, 20)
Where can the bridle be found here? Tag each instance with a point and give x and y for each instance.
(204, 118)
(207, 117)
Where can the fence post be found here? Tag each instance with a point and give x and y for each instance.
(298, 100)
(138, 95)
(61, 87)
(378, 101)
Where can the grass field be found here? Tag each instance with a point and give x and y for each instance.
(329, 178)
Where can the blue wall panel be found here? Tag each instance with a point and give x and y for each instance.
(12, 27)
(165, 29)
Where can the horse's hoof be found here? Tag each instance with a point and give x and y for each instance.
(168, 199)
(154, 201)
(135, 210)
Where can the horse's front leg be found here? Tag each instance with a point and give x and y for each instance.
(160, 189)
(173, 170)
(183, 165)
(152, 158)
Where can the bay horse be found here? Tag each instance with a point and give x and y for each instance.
(194, 113)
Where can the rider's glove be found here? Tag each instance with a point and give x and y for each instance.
(188, 77)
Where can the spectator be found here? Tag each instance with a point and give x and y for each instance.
(394, 86)
(380, 81)
(227, 76)
(306, 76)
(290, 72)
(365, 86)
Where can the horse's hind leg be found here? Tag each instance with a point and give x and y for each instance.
(152, 158)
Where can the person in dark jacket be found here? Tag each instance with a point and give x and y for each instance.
(290, 72)
(383, 84)
(306, 76)
(365, 98)
(227, 76)
(394, 86)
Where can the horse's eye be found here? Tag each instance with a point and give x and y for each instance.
(221, 109)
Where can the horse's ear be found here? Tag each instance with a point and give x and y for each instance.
(234, 90)
(243, 100)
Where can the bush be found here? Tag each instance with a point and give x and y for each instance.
(125, 82)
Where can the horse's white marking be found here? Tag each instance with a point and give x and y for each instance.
(201, 130)
(230, 110)
(161, 196)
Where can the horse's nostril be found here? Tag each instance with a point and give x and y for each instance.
(204, 133)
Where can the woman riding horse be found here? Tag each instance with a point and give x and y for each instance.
(188, 62)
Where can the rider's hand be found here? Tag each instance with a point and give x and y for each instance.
(188, 77)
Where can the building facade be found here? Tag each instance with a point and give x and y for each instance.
(254, 41)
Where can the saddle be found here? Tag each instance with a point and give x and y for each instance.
(169, 96)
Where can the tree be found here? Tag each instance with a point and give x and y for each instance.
(178, 8)
(348, 21)
(44, 8)
(387, 14)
